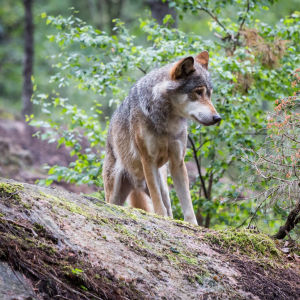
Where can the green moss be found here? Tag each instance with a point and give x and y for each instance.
(199, 278)
(171, 258)
(26, 205)
(68, 205)
(244, 242)
(10, 191)
(103, 220)
(188, 259)
(123, 211)
(39, 228)
(180, 258)
(123, 230)
(181, 222)
(47, 248)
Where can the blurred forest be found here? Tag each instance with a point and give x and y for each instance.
(96, 13)
(66, 65)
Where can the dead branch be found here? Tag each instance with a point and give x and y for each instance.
(198, 166)
(292, 219)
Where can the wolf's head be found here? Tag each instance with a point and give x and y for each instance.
(191, 97)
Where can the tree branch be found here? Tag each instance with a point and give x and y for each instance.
(292, 219)
(215, 18)
(198, 166)
(243, 21)
(142, 70)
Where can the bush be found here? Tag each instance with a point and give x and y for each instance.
(277, 162)
(103, 67)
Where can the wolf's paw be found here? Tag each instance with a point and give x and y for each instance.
(191, 219)
(160, 210)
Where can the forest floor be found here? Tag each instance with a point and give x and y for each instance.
(61, 245)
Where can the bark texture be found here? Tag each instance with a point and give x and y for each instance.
(160, 9)
(28, 58)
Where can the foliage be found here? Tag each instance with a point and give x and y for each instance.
(251, 71)
(96, 63)
(277, 162)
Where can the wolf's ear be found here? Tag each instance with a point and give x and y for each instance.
(203, 58)
(183, 68)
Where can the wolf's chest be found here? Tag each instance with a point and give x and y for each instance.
(157, 148)
(160, 148)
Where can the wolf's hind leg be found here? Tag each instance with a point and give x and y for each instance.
(121, 188)
(108, 175)
(139, 199)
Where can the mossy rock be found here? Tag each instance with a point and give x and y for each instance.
(68, 245)
(10, 190)
(245, 242)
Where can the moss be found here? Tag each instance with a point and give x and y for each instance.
(245, 242)
(10, 191)
(103, 220)
(123, 211)
(180, 258)
(171, 258)
(181, 222)
(188, 259)
(127, 234)
(123, 230)
(199, 278)
(160, 234)
(26, 205)
(39, 228)
(68, 205)
(47, 248)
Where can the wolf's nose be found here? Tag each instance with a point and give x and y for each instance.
(217, 118)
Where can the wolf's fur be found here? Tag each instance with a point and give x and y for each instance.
(149, 129)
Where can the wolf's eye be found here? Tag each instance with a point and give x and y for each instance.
(200, 91)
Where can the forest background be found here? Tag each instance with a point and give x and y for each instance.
(79, 58)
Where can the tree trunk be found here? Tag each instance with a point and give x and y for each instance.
(292, 220)
(114, 11)
(28, 59)
(160, 9)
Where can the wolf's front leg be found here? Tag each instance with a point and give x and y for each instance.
(152, 177)
(181, 183)
(163, 172)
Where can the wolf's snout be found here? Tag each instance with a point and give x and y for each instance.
(217, 118)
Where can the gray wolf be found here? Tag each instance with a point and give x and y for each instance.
(149, 129)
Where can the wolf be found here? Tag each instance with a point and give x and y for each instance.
(149, 130)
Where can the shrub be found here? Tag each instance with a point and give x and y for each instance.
(103, 67)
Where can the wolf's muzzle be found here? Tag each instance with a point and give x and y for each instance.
(216, 118)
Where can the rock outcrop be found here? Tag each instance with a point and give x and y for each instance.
(59, 245)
